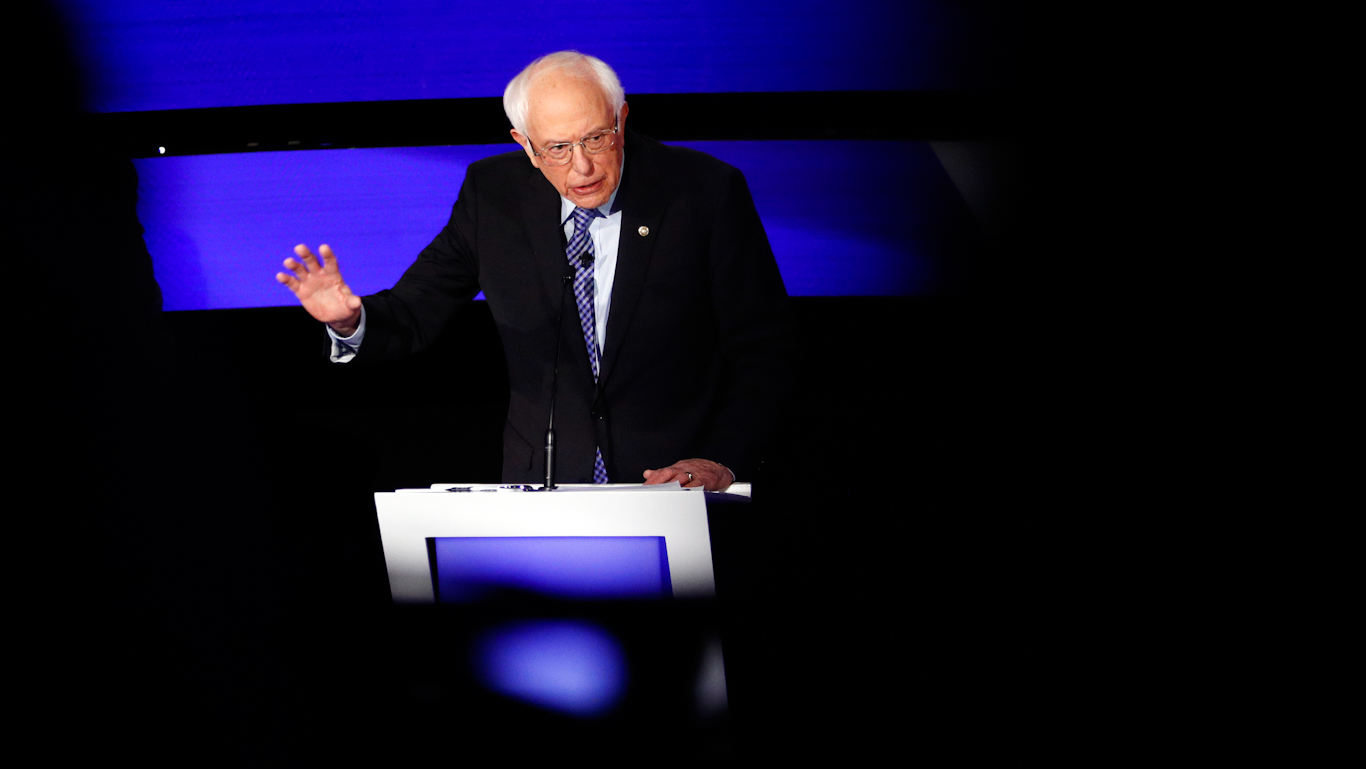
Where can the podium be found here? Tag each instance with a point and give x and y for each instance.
(448, 542)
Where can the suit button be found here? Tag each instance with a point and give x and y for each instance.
(643, 231)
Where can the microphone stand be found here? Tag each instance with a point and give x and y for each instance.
(554, 380)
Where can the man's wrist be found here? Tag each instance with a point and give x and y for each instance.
(344, 348)
(347, 328)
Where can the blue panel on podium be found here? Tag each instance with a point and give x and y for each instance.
(467, 568)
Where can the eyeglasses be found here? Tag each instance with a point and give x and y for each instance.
(559, 154)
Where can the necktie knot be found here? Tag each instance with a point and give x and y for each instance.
(581, 242)
(584, 217)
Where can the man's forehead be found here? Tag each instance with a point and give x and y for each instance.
(568, 106)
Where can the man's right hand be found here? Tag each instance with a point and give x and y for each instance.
(321, 290)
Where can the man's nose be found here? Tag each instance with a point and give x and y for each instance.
(580, 160)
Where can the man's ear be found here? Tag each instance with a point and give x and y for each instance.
(526, 146)
(624, 109)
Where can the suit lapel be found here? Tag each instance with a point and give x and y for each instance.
(539, 215)
(642, 200)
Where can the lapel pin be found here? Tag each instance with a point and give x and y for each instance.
(643, 231)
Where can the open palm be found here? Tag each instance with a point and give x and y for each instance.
(321, 289)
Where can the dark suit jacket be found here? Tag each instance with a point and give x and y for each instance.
(698, 351)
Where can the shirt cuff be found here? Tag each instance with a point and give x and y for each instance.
(345, 348)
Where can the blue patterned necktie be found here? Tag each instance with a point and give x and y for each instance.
(580, 244)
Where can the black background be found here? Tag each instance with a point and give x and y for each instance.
(955, 547)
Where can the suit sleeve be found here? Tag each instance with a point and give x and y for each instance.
(406, 318)
(757, 333)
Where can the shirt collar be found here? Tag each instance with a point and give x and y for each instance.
(567, 207)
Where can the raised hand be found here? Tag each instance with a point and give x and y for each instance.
(693, 472)
(321, 290)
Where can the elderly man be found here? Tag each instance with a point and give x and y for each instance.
(673, 340)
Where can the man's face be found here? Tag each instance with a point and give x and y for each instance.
(566, 109)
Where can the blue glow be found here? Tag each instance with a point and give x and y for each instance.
(849, 218)
(181, 54)
(570, 666)
(845, 218)
(219, 226)
(565, 567)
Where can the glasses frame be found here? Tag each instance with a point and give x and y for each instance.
(580, 143)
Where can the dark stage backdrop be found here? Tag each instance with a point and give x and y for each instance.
(903, 470)
(255, 126)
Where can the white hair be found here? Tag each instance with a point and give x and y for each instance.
(516, 97)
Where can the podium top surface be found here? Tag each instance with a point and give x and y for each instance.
(735, 489)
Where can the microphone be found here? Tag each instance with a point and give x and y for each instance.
(565, 280)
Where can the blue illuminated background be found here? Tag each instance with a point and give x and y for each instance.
(185, 54)
(844, 217)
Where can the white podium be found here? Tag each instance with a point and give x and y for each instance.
(409, 519)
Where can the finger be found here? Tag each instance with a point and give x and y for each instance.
(329, 258)
(653, 477)
(297, 269)
(307, 257)
(686, 477)
(688, 472)
(288, 281)
(667, 475)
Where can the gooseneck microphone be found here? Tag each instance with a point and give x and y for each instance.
(565, 280)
